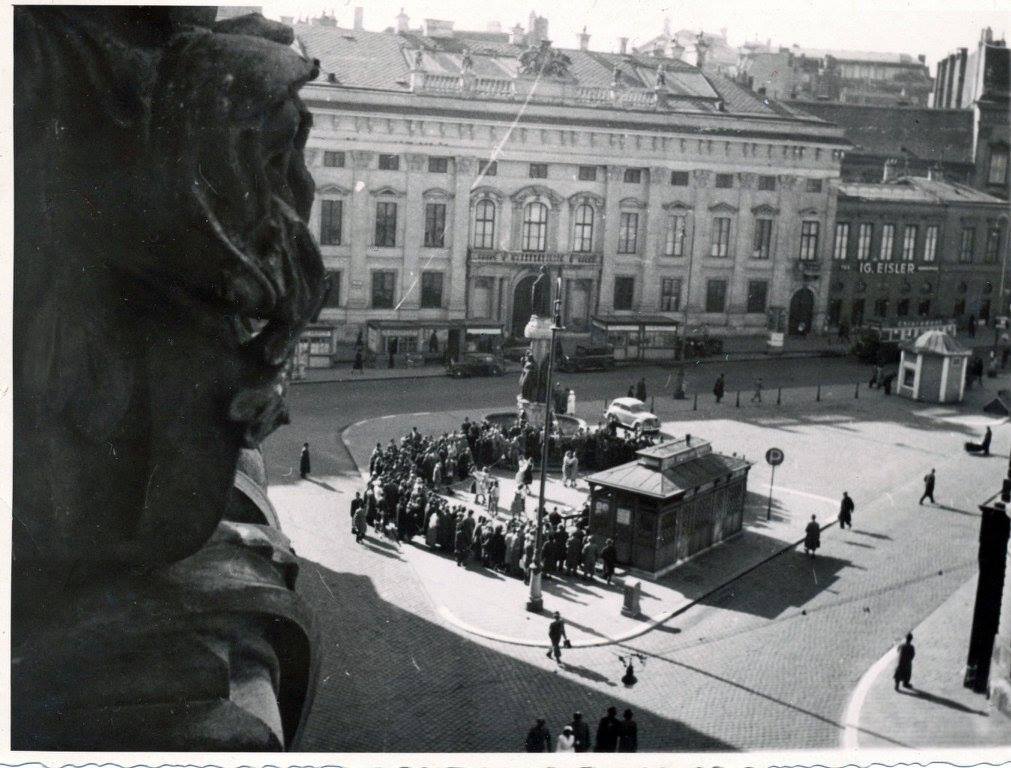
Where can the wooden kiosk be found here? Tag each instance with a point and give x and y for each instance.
(933, 369)
(673, 501)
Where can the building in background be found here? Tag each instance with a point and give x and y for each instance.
(977, 83)
(850, 77)
(451, 165)
(894, 141)
(708, 51)
(917, 248)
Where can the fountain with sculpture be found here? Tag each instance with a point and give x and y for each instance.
(163, 273)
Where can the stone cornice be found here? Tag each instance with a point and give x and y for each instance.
(386, 192)
(765, 210)
(722, 207)
(332, 189)
(486, 193)
(632, 202)
(676, 205)
(437, 193)
(586, 197)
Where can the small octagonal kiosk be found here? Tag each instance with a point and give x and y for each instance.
(673, 501)
(933, 368)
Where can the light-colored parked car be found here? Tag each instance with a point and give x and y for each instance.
(632, 414)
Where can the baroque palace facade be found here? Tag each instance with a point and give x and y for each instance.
(451, 166)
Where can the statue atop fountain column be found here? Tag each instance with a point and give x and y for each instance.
(534, 388)
(164, 271)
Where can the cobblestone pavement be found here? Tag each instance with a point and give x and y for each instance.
(939, 709)
(767, 663)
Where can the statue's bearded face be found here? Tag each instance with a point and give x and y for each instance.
(168, 357)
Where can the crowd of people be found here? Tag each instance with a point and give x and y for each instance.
(613, 735)
(412, 485)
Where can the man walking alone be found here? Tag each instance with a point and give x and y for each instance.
(304, 463)
(846, 511)
(928, 487)
(556, 631)
(904, 669)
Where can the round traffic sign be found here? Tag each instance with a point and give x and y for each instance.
(774, 456)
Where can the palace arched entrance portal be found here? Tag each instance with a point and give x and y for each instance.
(801, 312)
(524, 302)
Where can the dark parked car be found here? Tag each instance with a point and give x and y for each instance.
(476, 365)
(515, 352)
(587, 359)
(869, 348)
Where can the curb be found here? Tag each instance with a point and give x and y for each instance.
(730, 357)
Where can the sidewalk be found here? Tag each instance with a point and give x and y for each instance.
(939, 711)
(592, 611)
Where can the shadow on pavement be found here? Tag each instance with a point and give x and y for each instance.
(880, 536)
(956, 510)
(321, 484)
(587, 674)
(943, 701)
(391, 681)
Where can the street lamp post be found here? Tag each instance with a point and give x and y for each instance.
(535, 599)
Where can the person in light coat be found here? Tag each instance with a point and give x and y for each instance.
(566, 740)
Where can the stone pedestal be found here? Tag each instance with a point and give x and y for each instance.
(533, 411)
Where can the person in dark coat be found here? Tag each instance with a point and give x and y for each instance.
(608, 558)
(928, 487)
(304, 464)
(538, 738)
(497, 549)
(846, 507)
(640, 389)
(607, 732)
(985, 445)
(812, 537)
(356, 503)
(628, 733)
(357, 365)
(972, 326)
(556, 632)
(631, 391)
(461, 545)
(719, 388)
(904, 669)
(581, 730)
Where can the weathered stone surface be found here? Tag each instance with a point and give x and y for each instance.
(163, 271)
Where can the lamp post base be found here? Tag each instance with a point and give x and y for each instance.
(535, 601)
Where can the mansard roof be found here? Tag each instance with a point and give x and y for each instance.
(360, 59)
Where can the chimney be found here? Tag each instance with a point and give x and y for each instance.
(359, 16)
(402, 22)
(888, 173)
(922, 58)
(516, 35)
(584, 40)
(623, 45)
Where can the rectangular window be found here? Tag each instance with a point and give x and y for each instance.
(993, 238)
(628, 232)
(535, 227)
(762, 244)
(716, 295)
(435, 225)
(842, 241)
(674, 242)
(881, 308)
(438, 165)
(887, 242)
(484, 224)
(767, 183)
(386, 225)
(582, 230)
(633, 175)
(814, 185)
(909, 242)
(967, 248)
(330, 222)
(389, 162)
(679, 178)
(384, 284)
(670, 294)
(587, 173)
(538, 170)
(487, 168)
(924, 308)
(624, 292)
(997, 173)
(864, 237)
(758, 292)
(902, 308)
(431, 290)
(857, 312)
(724, 181)
(719, 246)
(333, 296)
(333, 159)
(930, 243)
(809, 240)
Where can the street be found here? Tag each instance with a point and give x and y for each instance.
(767, 661)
